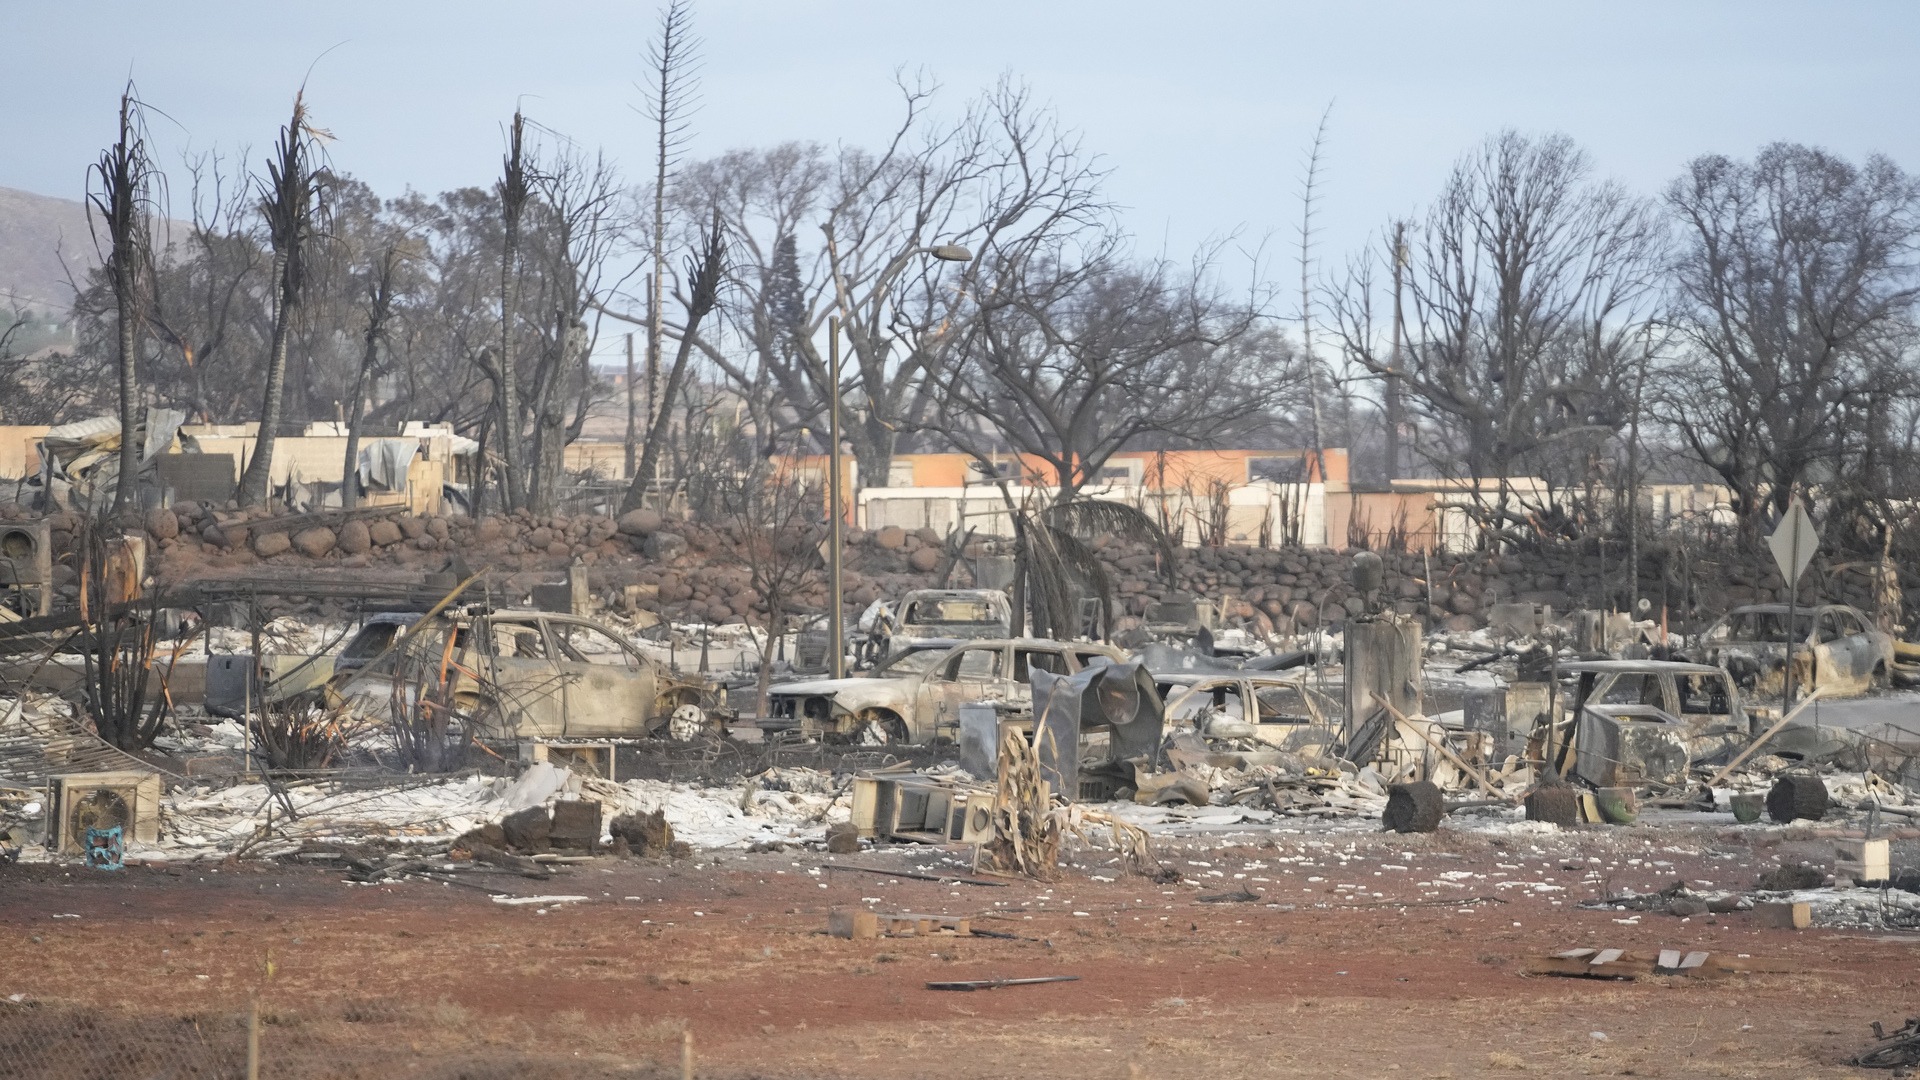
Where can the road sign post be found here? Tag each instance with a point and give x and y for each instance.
(1792, 544)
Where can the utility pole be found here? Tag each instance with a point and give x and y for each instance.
(836, 612)
(1392, 395)
(632, 399)
(1633, 484)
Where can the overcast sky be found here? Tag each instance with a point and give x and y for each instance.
(1202, 110)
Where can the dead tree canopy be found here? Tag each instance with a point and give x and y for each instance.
(1070, 362)
(1793, 286)
(1527, 290)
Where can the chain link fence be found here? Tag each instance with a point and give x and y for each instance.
(356, 1040)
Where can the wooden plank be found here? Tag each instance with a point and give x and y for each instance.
(1768, 734)
(1625, 967)
(989, 984)
(1754, 965)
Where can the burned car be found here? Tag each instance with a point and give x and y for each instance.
(1836, 648)
(915, 696)
(1643, 721)
(927, 615)
(525, 674)
(1279, 707)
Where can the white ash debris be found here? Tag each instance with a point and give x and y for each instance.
(206, 821)
(1869, 909)
(713, 817)
(285, 636)
(224, 735)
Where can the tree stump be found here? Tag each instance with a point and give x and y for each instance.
(1797, 796)
(1558, 805)
(1415, 807)
(647, 835)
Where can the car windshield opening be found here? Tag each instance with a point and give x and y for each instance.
(370, 641)
(926, 612)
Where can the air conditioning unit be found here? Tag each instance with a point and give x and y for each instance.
(26, 562)
(82, 801)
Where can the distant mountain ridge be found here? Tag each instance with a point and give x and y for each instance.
(35, 231)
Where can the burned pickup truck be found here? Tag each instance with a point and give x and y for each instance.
(522, 674)
(915, 696)
(1629, 722)
(1835, 647)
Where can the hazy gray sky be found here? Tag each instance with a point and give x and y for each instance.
(1203, 110)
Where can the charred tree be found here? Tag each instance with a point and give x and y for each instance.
(292, 203)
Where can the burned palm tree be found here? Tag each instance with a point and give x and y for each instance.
(293, 203)
(704, 275)
(1055, 564)
(122, 205)
(515, 187)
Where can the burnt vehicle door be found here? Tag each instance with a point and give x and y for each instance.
(1860, 645)
(969, 674)
(609, 687)
(1832, 653)
(526, 686)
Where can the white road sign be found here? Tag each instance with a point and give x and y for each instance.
(1793, 541)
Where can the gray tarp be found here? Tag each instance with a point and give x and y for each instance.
(385, 461)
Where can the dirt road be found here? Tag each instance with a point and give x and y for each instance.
(1364, 955)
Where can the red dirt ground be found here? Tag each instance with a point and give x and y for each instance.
(405, 979)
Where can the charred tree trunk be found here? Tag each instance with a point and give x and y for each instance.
(379, 310)
(292, 198)
(513, 200)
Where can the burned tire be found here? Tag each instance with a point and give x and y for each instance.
(1797, 796)
(1414, 808)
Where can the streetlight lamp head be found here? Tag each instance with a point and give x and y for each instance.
(951, 253)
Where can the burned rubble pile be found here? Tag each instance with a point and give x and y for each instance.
(1305, 696)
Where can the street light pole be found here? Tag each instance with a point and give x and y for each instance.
(836, 615)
